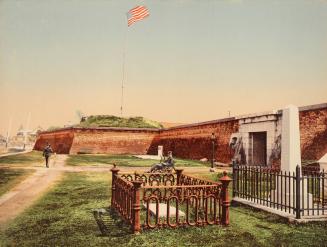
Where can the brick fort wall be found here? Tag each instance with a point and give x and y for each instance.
(112, 141)
(193, 141)
(97, 140)
(60, 140)
(189, 141)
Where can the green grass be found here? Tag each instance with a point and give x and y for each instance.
(33, 158)
(11, 177)
(64, 217)
(123, 160)
(114, 121)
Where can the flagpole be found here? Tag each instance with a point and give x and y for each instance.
(135, 14)
(123, 72)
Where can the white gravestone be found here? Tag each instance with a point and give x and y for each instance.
(160, 151)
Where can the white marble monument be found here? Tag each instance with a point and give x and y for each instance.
(291, 150)
(290, 158)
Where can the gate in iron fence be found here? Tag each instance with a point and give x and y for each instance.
(298, 193)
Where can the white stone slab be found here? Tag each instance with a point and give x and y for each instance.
(163, 210)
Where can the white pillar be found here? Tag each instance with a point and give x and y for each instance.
(291, 150)
(160, 151)
(290, 158)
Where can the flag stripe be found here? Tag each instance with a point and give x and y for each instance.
(136, 14)
(137, 9)
(144, 11)
(141, 14)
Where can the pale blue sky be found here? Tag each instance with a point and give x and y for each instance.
(189, 61)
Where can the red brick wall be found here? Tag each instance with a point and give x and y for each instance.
(313, 128)
(112, 141)
(193, 142)
(60, 141)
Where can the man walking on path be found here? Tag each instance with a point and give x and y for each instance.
(47, 153)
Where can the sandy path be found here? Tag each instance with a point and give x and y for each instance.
(107, 168)
(28, 191)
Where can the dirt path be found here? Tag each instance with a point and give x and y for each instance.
(107, 168)
(28, 191)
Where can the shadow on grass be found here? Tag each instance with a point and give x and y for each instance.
(258, 213)
(110, 224)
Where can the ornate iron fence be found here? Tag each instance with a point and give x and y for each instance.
(160, 200)
(299, 193)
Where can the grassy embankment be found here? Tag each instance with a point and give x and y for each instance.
(64, 217)
(31, 159)
(114, 121)
(124, 160)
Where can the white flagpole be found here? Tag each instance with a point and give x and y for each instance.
(123, 71)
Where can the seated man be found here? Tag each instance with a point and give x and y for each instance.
(167, 163)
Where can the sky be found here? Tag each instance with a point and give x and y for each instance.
(189, 61)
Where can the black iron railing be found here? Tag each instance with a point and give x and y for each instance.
(299, 193)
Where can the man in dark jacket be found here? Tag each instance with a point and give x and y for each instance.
(47, 153)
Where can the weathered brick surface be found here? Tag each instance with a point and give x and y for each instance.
(313, 128)
(87, 140)
(193, 142)
(112, 141)
(60, 141)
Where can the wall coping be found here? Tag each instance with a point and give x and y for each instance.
(313, 107)
(200, 123)
(260, 114)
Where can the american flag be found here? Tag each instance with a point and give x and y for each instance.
(136, 14)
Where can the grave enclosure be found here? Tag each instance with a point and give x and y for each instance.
(163, 200)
